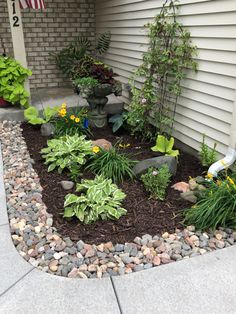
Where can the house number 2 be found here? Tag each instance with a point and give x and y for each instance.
(15, 17)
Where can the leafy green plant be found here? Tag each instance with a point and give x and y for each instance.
(32, 115)
(216, 208)
(71, 121)
(68, 58)
(165, 146)
(164, 66)
(99, 199)
(67, 152)
(156, 181)
(12, 79)
(118, 121)
(207, 155)
(86, 82)
(112, 164)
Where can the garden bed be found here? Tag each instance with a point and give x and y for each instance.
(43, 246)
(144, 215)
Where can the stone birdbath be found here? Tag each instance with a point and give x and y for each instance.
(96, 97)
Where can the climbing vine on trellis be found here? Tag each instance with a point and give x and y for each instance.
(163, 68)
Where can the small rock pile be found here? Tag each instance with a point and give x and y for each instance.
(41, 245)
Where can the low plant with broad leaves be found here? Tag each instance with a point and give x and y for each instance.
(156, 182)
(32, 115)
(67, 152)
(99, 199)
(112, 164)
(165, 146)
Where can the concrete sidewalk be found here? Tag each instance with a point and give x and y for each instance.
(200, 285)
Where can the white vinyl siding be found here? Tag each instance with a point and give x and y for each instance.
(208, 96)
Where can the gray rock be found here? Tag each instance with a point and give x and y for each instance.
(67, 185)
(80, 245)
(189, 196)
(119, 247)
(138, 267)
(157, 162)
(47, 129)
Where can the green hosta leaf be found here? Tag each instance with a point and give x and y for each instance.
(52, 167)
(49, 113)
(70, 199)
(80, 212)
(69, 212)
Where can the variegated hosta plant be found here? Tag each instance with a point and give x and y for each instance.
(69, 152)
(99, 199)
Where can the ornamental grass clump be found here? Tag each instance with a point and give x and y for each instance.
(99, 199)
(156, 182)
(67, 152)
(216, 208)
(112, 164)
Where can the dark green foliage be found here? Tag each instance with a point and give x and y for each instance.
(78, 54)
(112, 164)
(217, 208)
(103, 43)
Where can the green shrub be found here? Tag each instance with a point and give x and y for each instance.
(12, 79)
(32, 115)
(207, 155)
(99, 199)
(217, 207)
(67, 152)
(156, 181)
(112, 164)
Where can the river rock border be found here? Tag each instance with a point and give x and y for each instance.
(39, 243)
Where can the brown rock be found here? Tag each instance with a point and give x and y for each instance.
(156, 261)
(73, 273)
(102, 143)
(181, 186)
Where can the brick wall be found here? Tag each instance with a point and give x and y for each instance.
(50, 31)
(5, 31)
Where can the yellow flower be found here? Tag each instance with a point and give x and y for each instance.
(62, 112)
(230, 180)
(124, 145)
(96, 149)
(72, 117)
(209, 176)
(63, 106)
(218, 182)
(77, 120)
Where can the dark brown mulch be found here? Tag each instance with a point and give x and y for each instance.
(144, 215)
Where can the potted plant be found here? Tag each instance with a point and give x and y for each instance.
(95, 88)
(91, 77)
(12, 79)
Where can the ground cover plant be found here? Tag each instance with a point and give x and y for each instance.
(99, 199)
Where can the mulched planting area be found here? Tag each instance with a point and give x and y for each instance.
(144, 215)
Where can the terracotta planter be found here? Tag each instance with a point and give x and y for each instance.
(4, 103)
